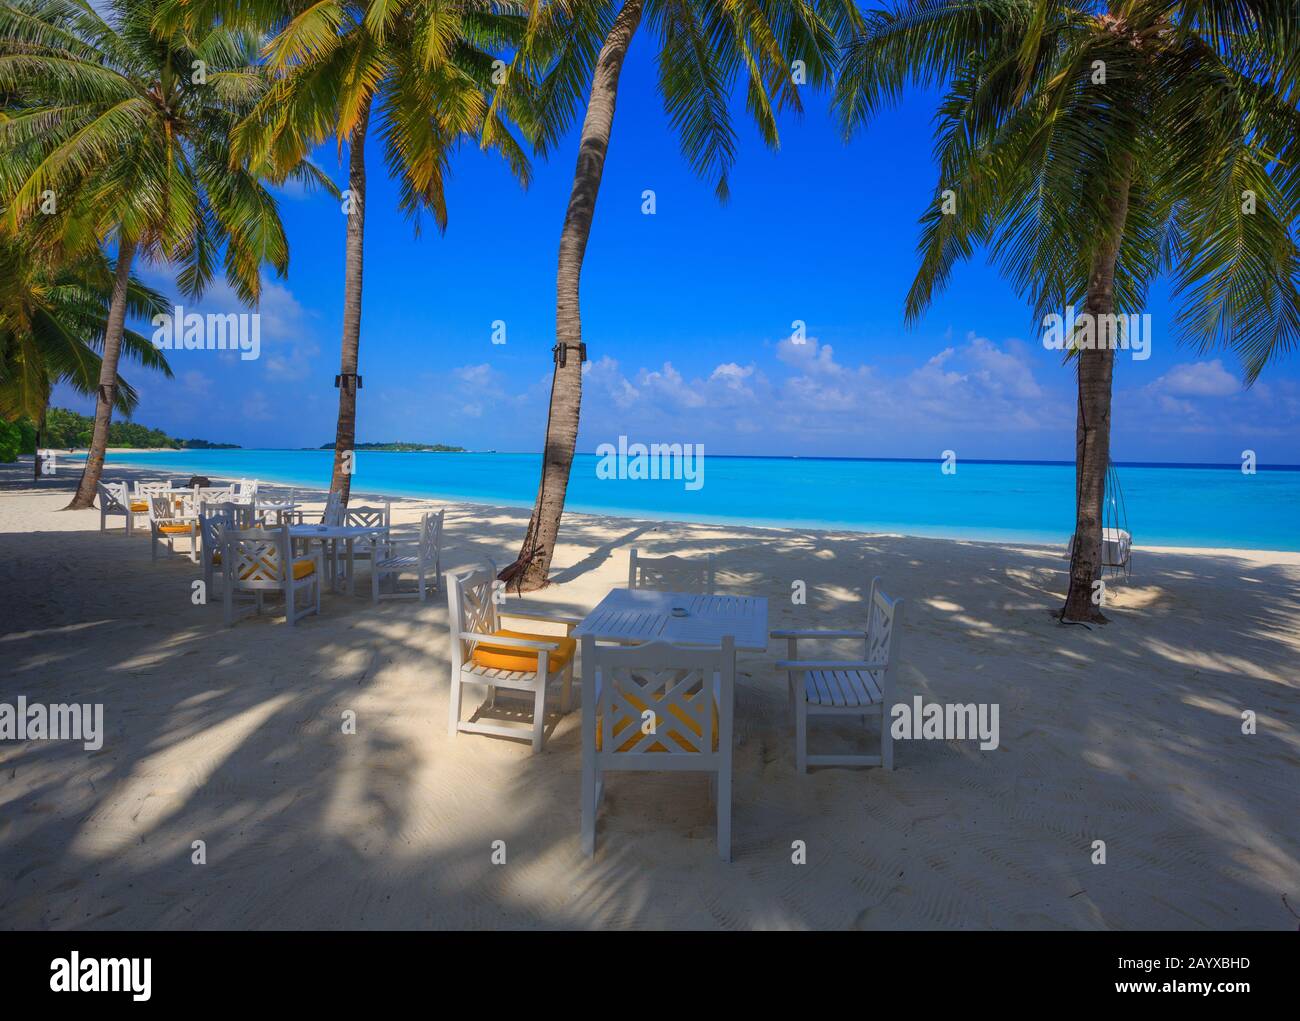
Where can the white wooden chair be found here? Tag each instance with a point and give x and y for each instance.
(114, 502)
(258, 560)
(657, 707)
(378, 518)
(213, 520)
(169, 520)
(671, 574)
(426, 560)
(858, 688)
(141, 493)
(333, 512)
(283, 506)
(245, 491)
(484, 653)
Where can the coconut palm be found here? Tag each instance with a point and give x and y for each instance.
(704, 46)
(1091, 148)
(52, 324)
(424, 67)
(117, 132)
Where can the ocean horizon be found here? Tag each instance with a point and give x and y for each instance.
(1166, 504)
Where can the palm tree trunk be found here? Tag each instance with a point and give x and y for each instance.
(345, 435)
(530, 570)
(1092, 430)
(107, 392)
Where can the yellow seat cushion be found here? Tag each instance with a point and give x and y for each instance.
(139, 506)
(216, 557)
(176, 529)
(507, 657)
(684, 744)
(301, 568)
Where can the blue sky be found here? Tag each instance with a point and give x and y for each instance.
(688, 316)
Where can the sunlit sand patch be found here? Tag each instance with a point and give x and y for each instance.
(161, 783)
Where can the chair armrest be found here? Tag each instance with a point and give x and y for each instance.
(828, 664)
(818, 634)
(520, 643)
(547, 617)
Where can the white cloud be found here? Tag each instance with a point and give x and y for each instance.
(1198, 379)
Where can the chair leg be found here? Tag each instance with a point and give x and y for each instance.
(453, 722)
(374, 586)
(886, 741)
(801, 735)
(422, 589)
(288, 603)
(588, 802)
(724, 813)
(539, 713)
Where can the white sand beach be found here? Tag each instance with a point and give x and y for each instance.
(1130, 734)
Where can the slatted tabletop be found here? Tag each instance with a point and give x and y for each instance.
(640, 615)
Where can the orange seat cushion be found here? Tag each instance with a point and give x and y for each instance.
(507, 657)
(139, 506)
(302, 568)
(216, 557)
(176, 529)
(673, 732)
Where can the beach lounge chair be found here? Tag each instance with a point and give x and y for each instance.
(114, 501)
(856, 688)
(483, 653)
(671, 574)
(170, 520)
(258, 560)
(657, 707)
(424, 561)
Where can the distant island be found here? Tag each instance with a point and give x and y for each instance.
(440, 448)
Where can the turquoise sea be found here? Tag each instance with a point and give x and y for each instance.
(1170, 505)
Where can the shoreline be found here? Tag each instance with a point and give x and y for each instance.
(1013, 537)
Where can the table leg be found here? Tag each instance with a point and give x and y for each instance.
(352, 574)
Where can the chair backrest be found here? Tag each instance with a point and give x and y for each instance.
(471, 608)
(256, 558)
(162, 506)
(658, 700)
(215, 517)
(215, 494)
(671, 574)
(368, 517)
(113, 498)
(333, 513)
(884, 616)
(146, 489)
(430, 536)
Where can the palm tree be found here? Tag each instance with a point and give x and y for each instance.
(1091, 148)
(52, 329)
(425, 68)
(126, 129)
(703, 46)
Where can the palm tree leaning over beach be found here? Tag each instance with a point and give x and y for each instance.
(52, 322)
(578, 48)
(424, 68)
(127, 131)
(1091, 148)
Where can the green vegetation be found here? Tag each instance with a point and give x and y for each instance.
(440, 448)
(67, 429)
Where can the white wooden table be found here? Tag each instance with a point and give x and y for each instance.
(333, 534)
(642, 615)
